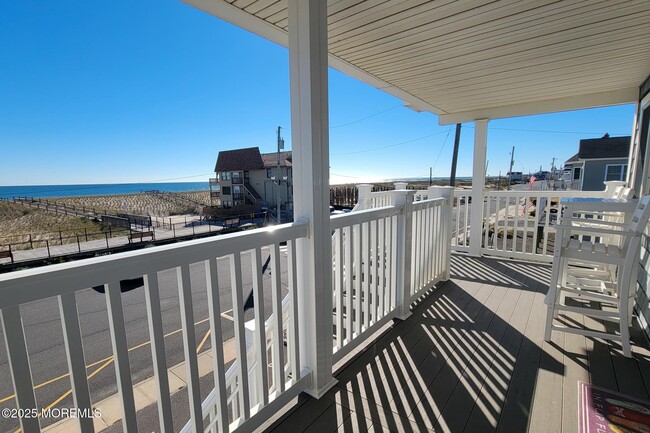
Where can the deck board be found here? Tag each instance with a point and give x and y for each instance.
(471, 358)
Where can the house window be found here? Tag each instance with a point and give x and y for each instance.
(269, 173)
(615, 172)
(225, 190)
(227, 204)
(577, 172)
(225, 175)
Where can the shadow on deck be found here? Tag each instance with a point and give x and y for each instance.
(471, 358)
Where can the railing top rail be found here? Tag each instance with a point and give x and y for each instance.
(362, 216)
(30, 285)
(544, 193)
(438, 201)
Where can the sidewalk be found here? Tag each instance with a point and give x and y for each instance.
(145, 393)
(105, 243)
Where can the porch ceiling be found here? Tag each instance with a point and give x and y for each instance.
(472, 59)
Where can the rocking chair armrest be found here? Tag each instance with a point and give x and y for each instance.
(589, 221)
(595, 231)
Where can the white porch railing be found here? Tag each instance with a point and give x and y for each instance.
(516, 224)
(383, 259)
(234, 403)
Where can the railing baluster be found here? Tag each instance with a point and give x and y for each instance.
(374, 287)
(381, 262)
(189, 344)
(260, 325)
(358, 275)
(349, 281)
(516, 227)
(537, 220)
(365, 279)
(393, 262)
(294, 335)
(121, 355)
(240, 334)
(278, 334)
(547, 223)
(216, 340)
(486, 221)
(21, 373)
(76, 359)
(152, 298)
(466, 220)
(338, 285)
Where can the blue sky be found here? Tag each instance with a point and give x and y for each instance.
(115, 92)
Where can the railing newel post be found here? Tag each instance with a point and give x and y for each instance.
(446, 192)
(404, 200)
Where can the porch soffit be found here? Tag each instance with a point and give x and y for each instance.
(471, 59)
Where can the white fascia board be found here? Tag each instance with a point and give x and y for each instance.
(242, 19)
(622, 158)
(592, 100)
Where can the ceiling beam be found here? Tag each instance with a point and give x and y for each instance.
(592, 100)
(240, 18)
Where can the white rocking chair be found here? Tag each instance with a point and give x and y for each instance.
(619, 252)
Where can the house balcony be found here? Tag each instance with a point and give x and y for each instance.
(420, 339)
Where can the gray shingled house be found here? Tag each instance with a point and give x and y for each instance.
(598, 160)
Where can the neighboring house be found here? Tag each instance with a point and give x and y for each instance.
(246, 178)
(598, 160)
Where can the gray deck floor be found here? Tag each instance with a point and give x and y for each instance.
(472, 358)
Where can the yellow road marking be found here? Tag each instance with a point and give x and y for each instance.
(146, 343)
(67, 393)
(205, 338)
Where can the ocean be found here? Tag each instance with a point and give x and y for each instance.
(42, 191)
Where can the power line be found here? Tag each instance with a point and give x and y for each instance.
(441, 149)
(388, 146)
(365, 118)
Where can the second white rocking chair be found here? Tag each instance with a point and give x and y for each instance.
(612, 293)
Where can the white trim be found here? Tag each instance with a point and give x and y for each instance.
(623, 174)
(614, 97)
(622, 158)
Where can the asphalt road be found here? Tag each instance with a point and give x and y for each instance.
(45, 343)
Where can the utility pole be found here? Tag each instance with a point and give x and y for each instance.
(430, 176)
(512, 161)
(278, 176)
(454, 158)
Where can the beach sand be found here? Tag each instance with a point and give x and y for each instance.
(139, 204)
(18, 221)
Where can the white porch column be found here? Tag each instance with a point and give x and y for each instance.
(310, 141)
(478, 185)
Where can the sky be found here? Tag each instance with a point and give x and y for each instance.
(151, 91)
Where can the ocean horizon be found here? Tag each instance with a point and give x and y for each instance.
(46, 191)
(75, 190)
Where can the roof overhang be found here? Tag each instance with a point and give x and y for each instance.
(476, 59)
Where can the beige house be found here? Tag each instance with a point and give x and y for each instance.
(245, 177)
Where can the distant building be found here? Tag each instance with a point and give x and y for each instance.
(598, 160)
(246, 179)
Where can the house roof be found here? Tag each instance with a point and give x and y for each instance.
(574, 158)
(239, 159)
(476, 59)
(606, 147)
(271, 159)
